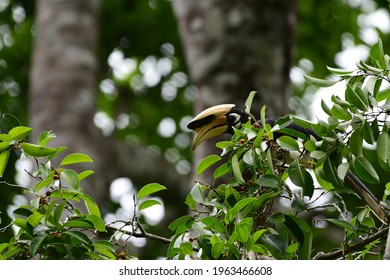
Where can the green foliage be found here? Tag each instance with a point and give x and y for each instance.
(256, 211)
(55, 225)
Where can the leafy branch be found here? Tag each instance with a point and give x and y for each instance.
(54, 225)
(269, 206)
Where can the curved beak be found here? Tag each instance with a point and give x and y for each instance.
(210, 123)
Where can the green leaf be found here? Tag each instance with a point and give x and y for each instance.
(218, 225)
(206, 163)
(269, 180)
(303, 233)
(356, 142)
(35, 219)
(297, 203)
(236, 169)
(22, 212)
(4, 137)
(36, 244)
(4, 155)
(342, 102)
(221, 170)
(301, 177)
(373, 86)
(82, 237)
(239, 206)
(325, 108)
(3, 246)
(275, 243)
(377, 54)
(85, 174)
(262, 116)
(319, 82)
(105, 248)
(44, 183)
(49, 210)
(148, 203)
(340, 113)
(249, 158)
(364, 170)
(190, 202)
(383, 150)
(302, 122)
(197, 193)
(368, 222)
(45, 137)
(149, 189)
(383, 95)
(225, 146)
(364, 66)
(248, 102)
(72, 178)
(97, 222)
(295, 224)
(187, 248)
(79, 223)
(242, 232)
(8, 122)
(357, 98)
(10, 253)
(4, 145)
(75, 158)
(217, 249)
(368, 133)
(253, 239)
(338, 71)
(37, 151)
(19, 133)
(184, 220)
(57, 152)
(342, 170)
(58, 212)
(331, 174)
(343, 224)
(92, 207)
(22, 223)
(288, 142)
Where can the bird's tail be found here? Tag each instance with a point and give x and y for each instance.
(366, 195)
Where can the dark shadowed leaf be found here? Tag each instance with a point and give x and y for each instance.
(36, 244)
(364, 170)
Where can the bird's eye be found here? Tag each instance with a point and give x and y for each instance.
(234, 119)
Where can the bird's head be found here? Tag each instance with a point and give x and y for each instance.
(215, 121)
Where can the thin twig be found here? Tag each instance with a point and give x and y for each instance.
(142, 234)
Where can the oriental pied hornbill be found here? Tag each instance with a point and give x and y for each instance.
(221, 119)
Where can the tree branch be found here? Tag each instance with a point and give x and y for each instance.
(386, 256)
(339, 253)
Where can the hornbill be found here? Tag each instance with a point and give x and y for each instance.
(221, 119)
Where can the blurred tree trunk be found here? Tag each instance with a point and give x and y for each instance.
(233, 47)
(63, 92)
(63, 78)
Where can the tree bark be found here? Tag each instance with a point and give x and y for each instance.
(63, 91)
(233, 47)
(63, 79)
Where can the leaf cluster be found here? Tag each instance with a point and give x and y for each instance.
(271, 205)
(56, 225)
